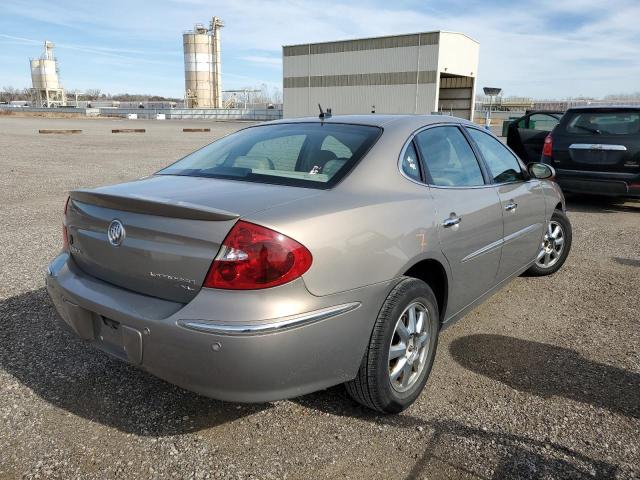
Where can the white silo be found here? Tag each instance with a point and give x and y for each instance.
(202, 77)
(46, 89)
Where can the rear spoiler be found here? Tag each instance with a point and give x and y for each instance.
(151, 206)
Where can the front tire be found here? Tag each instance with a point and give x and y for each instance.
(555, 246)
(401, 350)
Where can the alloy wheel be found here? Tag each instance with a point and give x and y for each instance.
(409, 347)
(552, 246)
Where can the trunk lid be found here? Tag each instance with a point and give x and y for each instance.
(159, 235)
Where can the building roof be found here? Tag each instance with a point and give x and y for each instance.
(379, 120)
(381, 36)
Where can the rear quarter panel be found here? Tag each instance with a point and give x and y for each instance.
(359, 239)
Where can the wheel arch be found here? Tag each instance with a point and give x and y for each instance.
(434, 274)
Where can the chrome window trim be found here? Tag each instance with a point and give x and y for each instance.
(269, 326)
(430, 185)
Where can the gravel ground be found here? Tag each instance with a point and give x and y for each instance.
(542, 381)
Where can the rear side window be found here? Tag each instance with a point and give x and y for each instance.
(503, 165)
(299, 154)
(410, 165)
(448, 158)
(603, 123)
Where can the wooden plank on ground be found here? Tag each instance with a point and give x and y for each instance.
(59, 132)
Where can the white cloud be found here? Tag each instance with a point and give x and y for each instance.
(542, 48)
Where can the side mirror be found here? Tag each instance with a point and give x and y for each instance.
(541, 171)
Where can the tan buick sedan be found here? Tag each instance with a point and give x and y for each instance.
(296, 255)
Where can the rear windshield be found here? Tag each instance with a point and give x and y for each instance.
(301, 154)
(603, 123)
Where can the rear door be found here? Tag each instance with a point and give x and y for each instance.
(468, 212)
(598, 140)
(522, 203)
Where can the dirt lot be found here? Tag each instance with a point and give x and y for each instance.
(542, 381)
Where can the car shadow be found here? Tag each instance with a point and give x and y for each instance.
(72, 375)
(451, 449)
(547, 370)
(455, 447)
(600, 204)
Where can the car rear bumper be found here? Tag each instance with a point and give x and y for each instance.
(600, 183)
(253, 346)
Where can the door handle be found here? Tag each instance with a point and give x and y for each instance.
(511, 206)
(452, 221)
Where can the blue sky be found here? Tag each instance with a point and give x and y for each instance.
(544, 48)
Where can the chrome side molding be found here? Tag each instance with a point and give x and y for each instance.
(271, 326)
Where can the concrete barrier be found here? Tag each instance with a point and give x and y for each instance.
(128, 130)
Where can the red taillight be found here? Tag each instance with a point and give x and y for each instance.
(547, 150)
(65, 236)
(253, 257)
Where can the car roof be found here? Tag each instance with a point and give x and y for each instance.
(607, 108)
(379, 120)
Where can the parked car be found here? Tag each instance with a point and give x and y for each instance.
(299, 254)
(596, 150)
(525, 135)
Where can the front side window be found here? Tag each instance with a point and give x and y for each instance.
(542, 122)
(448, 158)
(503, 165)
(299, 154)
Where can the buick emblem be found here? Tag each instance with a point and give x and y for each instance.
(115, 233)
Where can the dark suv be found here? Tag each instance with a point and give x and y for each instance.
(597, 150)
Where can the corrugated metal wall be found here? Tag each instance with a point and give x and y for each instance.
(396, 74)
(387, 74)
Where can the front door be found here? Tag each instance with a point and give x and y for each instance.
(521, 202)
(468, 213)
(526, 137)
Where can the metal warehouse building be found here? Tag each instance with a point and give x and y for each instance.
(416, 73)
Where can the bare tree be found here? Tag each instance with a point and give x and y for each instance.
(9, 94)
(92, 93)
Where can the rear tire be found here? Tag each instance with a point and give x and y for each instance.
(552, 254)
(410, 305)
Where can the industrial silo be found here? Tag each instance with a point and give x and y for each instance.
(202, 78)
(46, 88)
